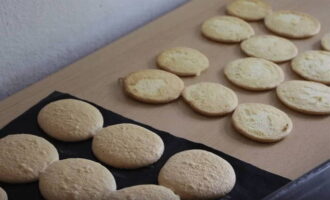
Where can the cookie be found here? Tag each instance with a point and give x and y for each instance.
(144, 192)
(210, 99)
(269, 47)
(325, 42)
(197, 174)
(305, 96)
(254, 74)
(153, 86)
(127, 146)
(227, 29)
(70, 120)
(292, 24)
(23, 157)
(3, 194)
(250, 10)
(313, 66)
(261, 122)
(76, 178)
(183, 61)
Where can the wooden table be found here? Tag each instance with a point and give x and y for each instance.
(95, 78)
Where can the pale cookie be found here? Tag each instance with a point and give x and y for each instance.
(269, 47)
(210, 99)
(76, 178)
(313, 65)
(261, 122)
(183, 61)
(3, 194)
(251, 10)
(325, 42)
(70, 120)
(127, 146)
(197, 174)
(23, 157)
(144, 192)
(153, 86)
(227, 29)
(292, 24)
(305, 96)
(254, 73)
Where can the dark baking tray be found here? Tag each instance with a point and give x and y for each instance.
(313, 185)
(252, 183)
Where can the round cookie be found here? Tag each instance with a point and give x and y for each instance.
(210, 99)
(197, 174)
(183, 61)
(23, 157)
(70, 120)
(76, 178)
(127, 146)
(226, 29)
(254, 73)
(144, 192)
(3, 194)
(269, 47)
(292, 24)
(305, 96)
(261, 122)
(313, 65)
(153, 86)
(325, 42)
(251, 10)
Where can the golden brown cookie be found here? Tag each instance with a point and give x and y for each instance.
(305, 96)
(227, 29)
(127, 146)
(250, 10)
(197, 174)
(313, 66)
(210, 99)
(23, 157)
(76, 178)
(3, 194)
(183, 61)
(292, 24)
(325, 42)
(70, 120)
(269, 47)
(261, 122)
(153, 86)
(254, 74)
(144, 192)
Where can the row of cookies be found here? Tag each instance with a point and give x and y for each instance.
(27, 158)
(303, 96)
(311, 65)
(213, 99)
(232, 29)
(253, 73)
(73, 178)
(286, 23)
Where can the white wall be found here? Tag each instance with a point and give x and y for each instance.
(38, 37)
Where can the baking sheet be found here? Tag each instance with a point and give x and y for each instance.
(316, 182)
(252, 183)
